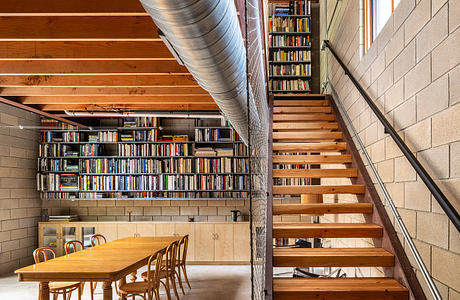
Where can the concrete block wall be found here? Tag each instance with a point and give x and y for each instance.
(150, 210)
(20, 204)
(412, 72)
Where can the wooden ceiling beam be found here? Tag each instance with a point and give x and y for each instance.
(128, 50)
(52, 67)
(71, 7)
(125, 107)
(157, 99)
(78, 29)
(100, 91)
(97, 80)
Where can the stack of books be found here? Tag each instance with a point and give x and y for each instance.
(67, 218)
(206, 151)
(224, 151)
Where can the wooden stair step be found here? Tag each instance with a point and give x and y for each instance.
(318, 189)
(304, 103)
(375, 288)
(310, 147)
(312, 159)
(303, 117)
(301, 109)
(323, 208)
(304, 125)
(326, 230)
(303, 96)
(332, 257)
(334, 135)
(314, 173)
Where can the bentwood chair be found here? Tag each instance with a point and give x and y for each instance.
(57, 288)
(98, 239)
(151, 286)
(73, 246)
(182, 259)
(167, 271)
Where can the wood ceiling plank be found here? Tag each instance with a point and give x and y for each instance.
(128, 50)
(100, 91)
(170, 80)
(148, 107)
(78, 29)
(168, 99)
(51, 67)
(74, 7)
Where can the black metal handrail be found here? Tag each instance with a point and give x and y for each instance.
(426, 178)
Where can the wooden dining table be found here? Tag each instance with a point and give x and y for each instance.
(105, 263)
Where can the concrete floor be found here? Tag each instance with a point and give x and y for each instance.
(208, 283)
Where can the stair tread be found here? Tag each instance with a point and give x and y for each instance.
(302, 147)
(304, 117)
(318, 189)
(301, 109)
(326, 230)
(310, 103)
(335, 135)
(322, 208)
(339, 288)
(315, 173)
(312, 159)
(332, 257)
(304, 125)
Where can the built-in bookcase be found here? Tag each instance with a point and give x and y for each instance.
(290, 47)
(139, 160)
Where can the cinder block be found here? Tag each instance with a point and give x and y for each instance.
(154, 211)
(142, 202)
(208, 211)
(179, 203)
(378, 66)
(97, 211)
(454, 239)
(436, 160)
(426, 103)
(417, 19)
(446, 126)
(115, 211)
(170, 210)
(418, 136)
(161, 203)
(395, 46)
(433, 229)
(454, 15)
(403, 170)
(10, 225)
(446, 55)
(417, 78)
(394, 96)
(396, 190)
(385, 81)
(445, 267)
(417, 196)
(432, 34)
(386, 170)
(454, 87)
(105, 203)
(405, 115)
(189, 211)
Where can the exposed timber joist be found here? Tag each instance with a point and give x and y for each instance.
(130, 107)
(154, 100)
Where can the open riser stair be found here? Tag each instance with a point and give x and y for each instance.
(307, 137)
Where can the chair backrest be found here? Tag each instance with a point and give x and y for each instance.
(73, 245)
(171, 256)
(153, 277)
(42, 252)
(182, 250)
(98, 239)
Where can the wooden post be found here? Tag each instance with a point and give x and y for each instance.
(44, 290)
(107, 290)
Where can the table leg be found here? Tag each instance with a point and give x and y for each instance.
(107, 290)
(133, 276)
(44, 290)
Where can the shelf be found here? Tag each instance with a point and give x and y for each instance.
(137, 157)
(99, 129)
(291, 62)
(219, 142)
(133, 142)
(126, 174)
(291, 16)
(290, 91)
(146, 191)
(289, 47)
(289, 76)
(150, 198)
(289, 33)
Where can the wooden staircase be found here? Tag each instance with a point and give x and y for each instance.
(303, 125)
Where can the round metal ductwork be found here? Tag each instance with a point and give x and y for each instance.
(207, 37)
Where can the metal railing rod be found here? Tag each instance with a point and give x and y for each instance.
(426, 178)
(413, 249)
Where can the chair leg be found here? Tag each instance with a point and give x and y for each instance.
(179, 279)
(80, 292)
(64, 295)
(173, 281)
(92, 287)
(167, 288)
(185, 275)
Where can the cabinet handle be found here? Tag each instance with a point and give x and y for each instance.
(217, 236)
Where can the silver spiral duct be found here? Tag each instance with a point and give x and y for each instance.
(207, 37)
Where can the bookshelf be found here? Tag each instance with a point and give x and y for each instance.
(289, 47)
(141, 160)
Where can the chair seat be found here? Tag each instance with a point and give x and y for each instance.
(57, 285)
(163, 274)
(134, 287)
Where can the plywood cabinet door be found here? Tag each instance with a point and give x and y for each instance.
(164, 229)
(224, 242)
(126, 230)
(108, 230)
(146, 229)
(184, 229)
(241, 244)
(204, 242)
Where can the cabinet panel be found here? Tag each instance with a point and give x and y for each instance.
(184, 229)
(204, 243)
(68, 233)
(164, 229)
(108, 230)
(146, 229)
(48, 236)
(241, 243)
(126, 230)
(224, 242)
(85, 232)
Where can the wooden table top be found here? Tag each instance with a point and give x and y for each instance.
(108, 262)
